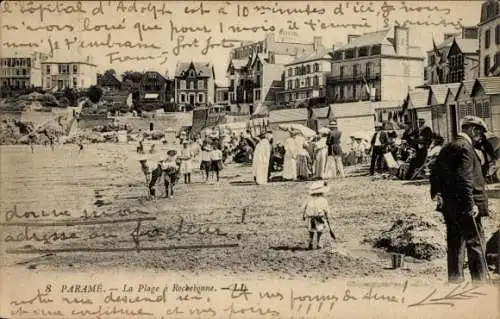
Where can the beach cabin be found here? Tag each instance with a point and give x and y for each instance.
(436, 100)
(465, 104)
(485, 94)
(415, 106)
(450, 107)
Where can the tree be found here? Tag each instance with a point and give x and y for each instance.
(112, 71)
(94, 94)
(133, 76)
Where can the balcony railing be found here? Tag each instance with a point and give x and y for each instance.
(351, 77)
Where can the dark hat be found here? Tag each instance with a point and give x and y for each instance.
(171, 152)
(393, 134)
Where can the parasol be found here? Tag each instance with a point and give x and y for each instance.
(323, 130)
(304, 130)
(363, 135)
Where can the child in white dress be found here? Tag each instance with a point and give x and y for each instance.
(316, 211)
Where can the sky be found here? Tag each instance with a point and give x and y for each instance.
(165, 30)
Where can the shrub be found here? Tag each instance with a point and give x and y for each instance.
(94, 94)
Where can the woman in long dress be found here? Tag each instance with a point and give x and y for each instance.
(261, 157)
(290, 160)
(303, 157)
(320, 156)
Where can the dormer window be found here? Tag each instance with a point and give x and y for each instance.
(191, 73)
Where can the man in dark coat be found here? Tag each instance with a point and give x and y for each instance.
(458, 186)
(378, 143)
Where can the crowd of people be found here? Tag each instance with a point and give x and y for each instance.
(456, 173)
(317, 157)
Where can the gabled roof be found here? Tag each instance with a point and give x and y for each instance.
(451, 94)
(446, 44)
(288, 115)
(108, 76)
(238, 64)
(368, 39)
(465, 86)
(466, 46)
(439, 91)
(490, 85)
(202, 68)
(158, 75)
(418, 98)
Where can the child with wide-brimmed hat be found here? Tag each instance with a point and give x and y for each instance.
(316, 212)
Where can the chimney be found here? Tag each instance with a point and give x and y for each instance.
(401, 40)
(317, 43)
(351, 37)
(470, 33)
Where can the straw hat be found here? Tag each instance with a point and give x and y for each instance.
(333, 124)
(474, 120)
(208, 147)
(171, 152)
(318, 187)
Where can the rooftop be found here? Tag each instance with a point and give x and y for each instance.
(418, 98)
(468, 45)
(466, 87)
(490, 85)
(446, 44)
(441, 90)
(453, 91)
(321, 53)
(202, 68)
(367, 39)
(239, 63)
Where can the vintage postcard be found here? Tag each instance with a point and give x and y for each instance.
(249, 159)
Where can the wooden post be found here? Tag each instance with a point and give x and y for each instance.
(244, 213)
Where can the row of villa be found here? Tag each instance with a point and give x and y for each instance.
(377, 74)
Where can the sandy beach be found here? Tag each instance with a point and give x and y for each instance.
(104, 183)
